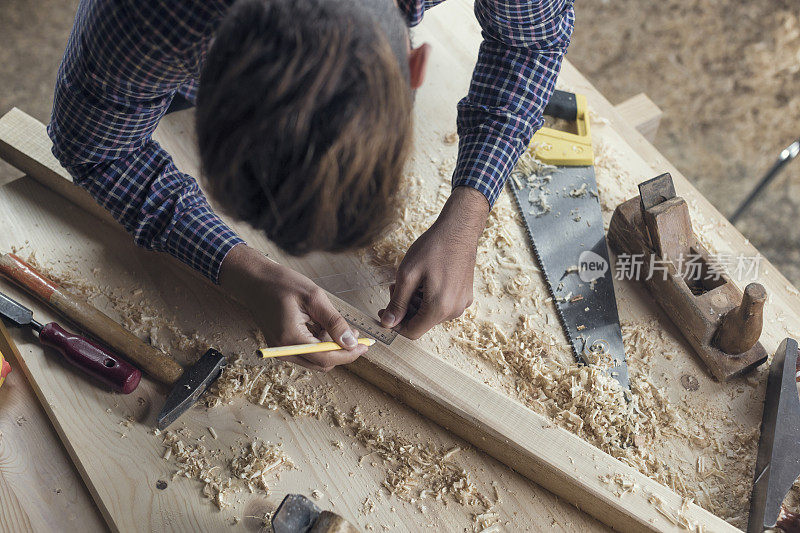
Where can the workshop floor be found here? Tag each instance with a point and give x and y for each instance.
(724, 72)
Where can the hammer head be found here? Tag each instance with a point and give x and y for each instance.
(192, 384)
(295, 514)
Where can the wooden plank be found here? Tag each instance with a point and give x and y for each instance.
(40, 490)
(641, 113)
(506, 430)
(20, 138)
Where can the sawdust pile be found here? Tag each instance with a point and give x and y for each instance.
(251, 466)
(256, 462)
(583, 398)
(415, 471)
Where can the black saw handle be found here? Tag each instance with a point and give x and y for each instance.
(562, 105)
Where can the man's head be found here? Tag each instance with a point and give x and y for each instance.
(304, 118)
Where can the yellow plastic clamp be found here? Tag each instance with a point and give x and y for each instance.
(554, 147)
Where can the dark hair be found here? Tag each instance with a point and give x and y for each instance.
(304, 119)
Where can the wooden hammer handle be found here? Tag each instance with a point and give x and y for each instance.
(152, 361)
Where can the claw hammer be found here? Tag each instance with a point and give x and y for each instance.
(188, 384)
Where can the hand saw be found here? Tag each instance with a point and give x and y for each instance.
(561, 211)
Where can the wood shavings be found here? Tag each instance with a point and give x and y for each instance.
(621, 483)
(414, 219)
(579, 192)
(416, 471)
(562, 391)
(486, 522)
(257, 462)
(264, 521)
(251, 468)
(194, 462)
(367, 506)
(272, 386)
(676, 516)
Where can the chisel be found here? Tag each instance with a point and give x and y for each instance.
(79, 351)
(186, 384)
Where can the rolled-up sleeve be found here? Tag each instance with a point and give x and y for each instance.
(519, 60)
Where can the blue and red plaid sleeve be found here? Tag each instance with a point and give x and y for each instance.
(518, 63)
(524, 42)
(118, 76)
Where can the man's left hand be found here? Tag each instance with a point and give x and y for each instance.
(434, 281)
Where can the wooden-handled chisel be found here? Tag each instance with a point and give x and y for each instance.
(186, 384)
(90, 319)
(80, 352)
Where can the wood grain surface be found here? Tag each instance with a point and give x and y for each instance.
(40, 490)
(122, 465)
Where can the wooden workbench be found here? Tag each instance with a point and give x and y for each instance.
(68, 239)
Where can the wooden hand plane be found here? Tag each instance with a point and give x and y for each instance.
(654, 232)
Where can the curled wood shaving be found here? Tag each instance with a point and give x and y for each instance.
(273, 386)
(486, 522)
(259, 461)
(415, 471)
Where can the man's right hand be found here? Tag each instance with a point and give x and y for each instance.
(288, 307)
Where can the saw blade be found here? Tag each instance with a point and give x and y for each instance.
(564, 222)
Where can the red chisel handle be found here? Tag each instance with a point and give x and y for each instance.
(91, 358)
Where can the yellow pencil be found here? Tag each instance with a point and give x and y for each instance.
(301, 349)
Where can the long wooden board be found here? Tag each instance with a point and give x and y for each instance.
(413, 374)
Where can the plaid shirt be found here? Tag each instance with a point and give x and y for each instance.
(126, 60)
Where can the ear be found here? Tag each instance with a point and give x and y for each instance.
(417, 62)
